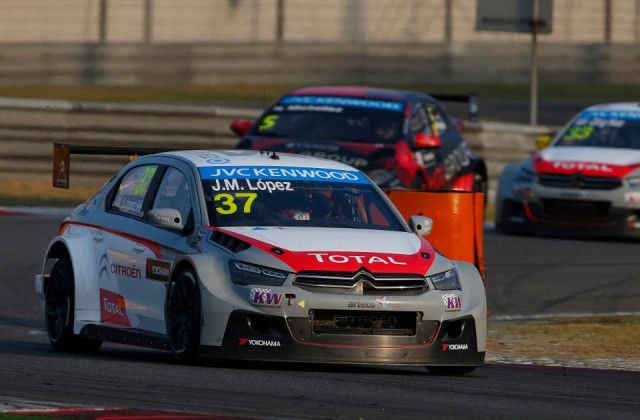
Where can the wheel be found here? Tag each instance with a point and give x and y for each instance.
(450, 370)
(59, 306)
(183, 316)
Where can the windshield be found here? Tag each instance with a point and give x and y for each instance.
(286, 196)
(328, 118)
(603, 128)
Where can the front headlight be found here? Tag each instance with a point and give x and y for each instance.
(634, 181)
(249, 274)
(447, 280)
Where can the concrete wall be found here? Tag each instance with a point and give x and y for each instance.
(393, 21)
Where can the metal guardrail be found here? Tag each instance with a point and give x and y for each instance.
(29, 127)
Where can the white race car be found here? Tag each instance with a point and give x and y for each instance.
(258, 256)
(586, 182)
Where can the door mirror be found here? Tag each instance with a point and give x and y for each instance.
(427, 141)
(167, 219)
(241, 127)
(420, 225)
(543, 142)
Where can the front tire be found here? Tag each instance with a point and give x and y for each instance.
(59, 308)
(183, 316)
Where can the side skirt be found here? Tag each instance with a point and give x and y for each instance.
(131, 337)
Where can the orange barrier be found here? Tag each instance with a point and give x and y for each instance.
(458, 221)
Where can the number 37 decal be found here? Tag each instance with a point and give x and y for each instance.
(226, 203)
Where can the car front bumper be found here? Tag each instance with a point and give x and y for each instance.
(250, 336)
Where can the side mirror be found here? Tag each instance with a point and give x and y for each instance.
(427, 141)
(542, 142)
(420, 225)
(167, 219)
(240, 127)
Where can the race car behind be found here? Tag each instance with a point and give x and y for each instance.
(587, 182)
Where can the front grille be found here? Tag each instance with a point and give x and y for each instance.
(579, 181)
(364, 322)
(362, 282)
(575, 209)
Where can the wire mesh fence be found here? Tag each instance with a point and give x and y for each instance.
(358, 21)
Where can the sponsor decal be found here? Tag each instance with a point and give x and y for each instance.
(112, 308)
(258, 343)
(629, 115)
(250, 185)
(452, 302)
(265, 297)
(632, 197)
(126, 271)
(582, 166)
(158, 269)
(454, 347)
(382, 300)
(349, 160)
(290, 298)
(282, 173)
(342, 101)
(358, 304)
(362, 305)
(360, 259)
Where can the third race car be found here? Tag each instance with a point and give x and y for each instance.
(586, 182)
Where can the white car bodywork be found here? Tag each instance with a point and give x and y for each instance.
(375, 287)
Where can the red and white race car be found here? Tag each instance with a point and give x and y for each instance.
(586, 182)
(260, 256)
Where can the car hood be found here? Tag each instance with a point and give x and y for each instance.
(340, 249)
(362, 155)
(591, 161)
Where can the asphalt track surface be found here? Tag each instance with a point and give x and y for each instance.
(525, 276)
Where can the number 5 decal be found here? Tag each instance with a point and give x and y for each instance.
(228, 205)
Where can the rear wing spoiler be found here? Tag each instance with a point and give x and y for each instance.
(62, 153)
(471, 99)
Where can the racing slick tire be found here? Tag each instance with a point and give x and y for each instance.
(59, 309)
(450, 370)
(183, 315)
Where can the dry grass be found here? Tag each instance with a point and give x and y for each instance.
(589, 337)
(38, 193)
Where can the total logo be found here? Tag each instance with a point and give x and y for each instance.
(360, 259)
(259, 343)
(113, 309)
(582, 166)
(454, 347)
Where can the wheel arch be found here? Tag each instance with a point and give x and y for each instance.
(80, 252)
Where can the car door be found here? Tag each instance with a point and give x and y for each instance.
(120, 252)
(134, 256)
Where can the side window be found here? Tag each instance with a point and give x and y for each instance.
(419, 122)
(174, 193)
(133, 189)
(439, 125)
